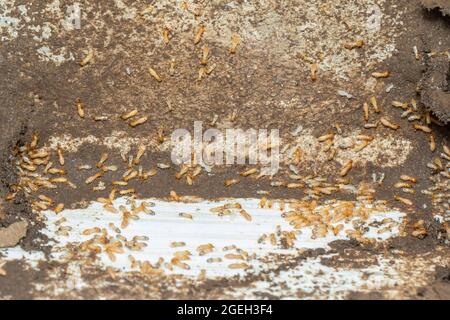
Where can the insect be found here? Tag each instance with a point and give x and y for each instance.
(238, 266)
(314, 68)
(86, 60)
(154, 74)
(249, 172)
(246, 215)
(93, 178)
(59, 208)
(129, 114)
(378, 75)
(87, 232)
(138, 122)
(354, 45)
(205, 54)
(346, 168)
(366, 111)
(326, 137)
(387, 123)
(166, 35)
(199, 34)
(177, 244)
(235, 40)
(80, 108)
(404, 200)
(205, 248)
(405, 177)
(102, 160)
(374, 103)
(419, 127)
(61, 157)
(186, 215)
(432, 143)
(231, 182)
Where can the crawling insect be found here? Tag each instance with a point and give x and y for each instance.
(231, 182)
(154, 74)
(177, 244)
(199, 34)
(138, 122)
(388, 124)
(205, 54)
(140, 153)
(249, 172)
(374, 103)
(166, 35)
(102, 160)
(404, 200)
(314, 70)
(86, 60)
(93, 178)
(238, 266)
(80, 108)
(59, 208)
(129, 114)
(405, 177)
(246, 215)
(366, 111)
(378, 75)
(423, 128)
(61, 157)
(235, 40)
(354, 45)
(346, 168)
(186, 215)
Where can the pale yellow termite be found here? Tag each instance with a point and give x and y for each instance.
(205, 55)
(374, 103)
(154, 74)
(432, 143)
(245, 215)
(186, 215)
(404, 201)
(166, 35)
(388, 124)
(346, 168)
(87, 59)
(199, 34)
(249, 172)
(102, 160)
(80, 108)
(354, 45)
(384, 74)
(129, 114)
(138, 122)
(235, 40)
(61, 157)
(366, 111)
(59, 208)
(314, 70)
(140, 153)
(238, 266)
(423, 128)
(405, 177)
(231, 182)
(93, 178)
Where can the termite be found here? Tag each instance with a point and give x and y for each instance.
(385, 122)
(87, 59)
(374, 103)
(400, 185)
(400, 105)
(326, 137)
(93, 178)
(59, 208)
(384, 74)
(199, 34)
(166, 35)
(80, 108)
(154, 74)
(34, 141)
(205, 54)
(423, 128)
(432, 143)
(102, 160)
(186, 215)
(129, 114)
(231, 182)
(366, 111)
(138, 122)
(246, 215)
(404, 200)
(346, 168)
(238, 266)
(177, 244)
(205, 248)
(87, 232)
(235, 40)
(314, 70)
(249, 172)
(126, 192)
(354, 45)
(61, 157)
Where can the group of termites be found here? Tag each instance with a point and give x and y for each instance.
(41, 169)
